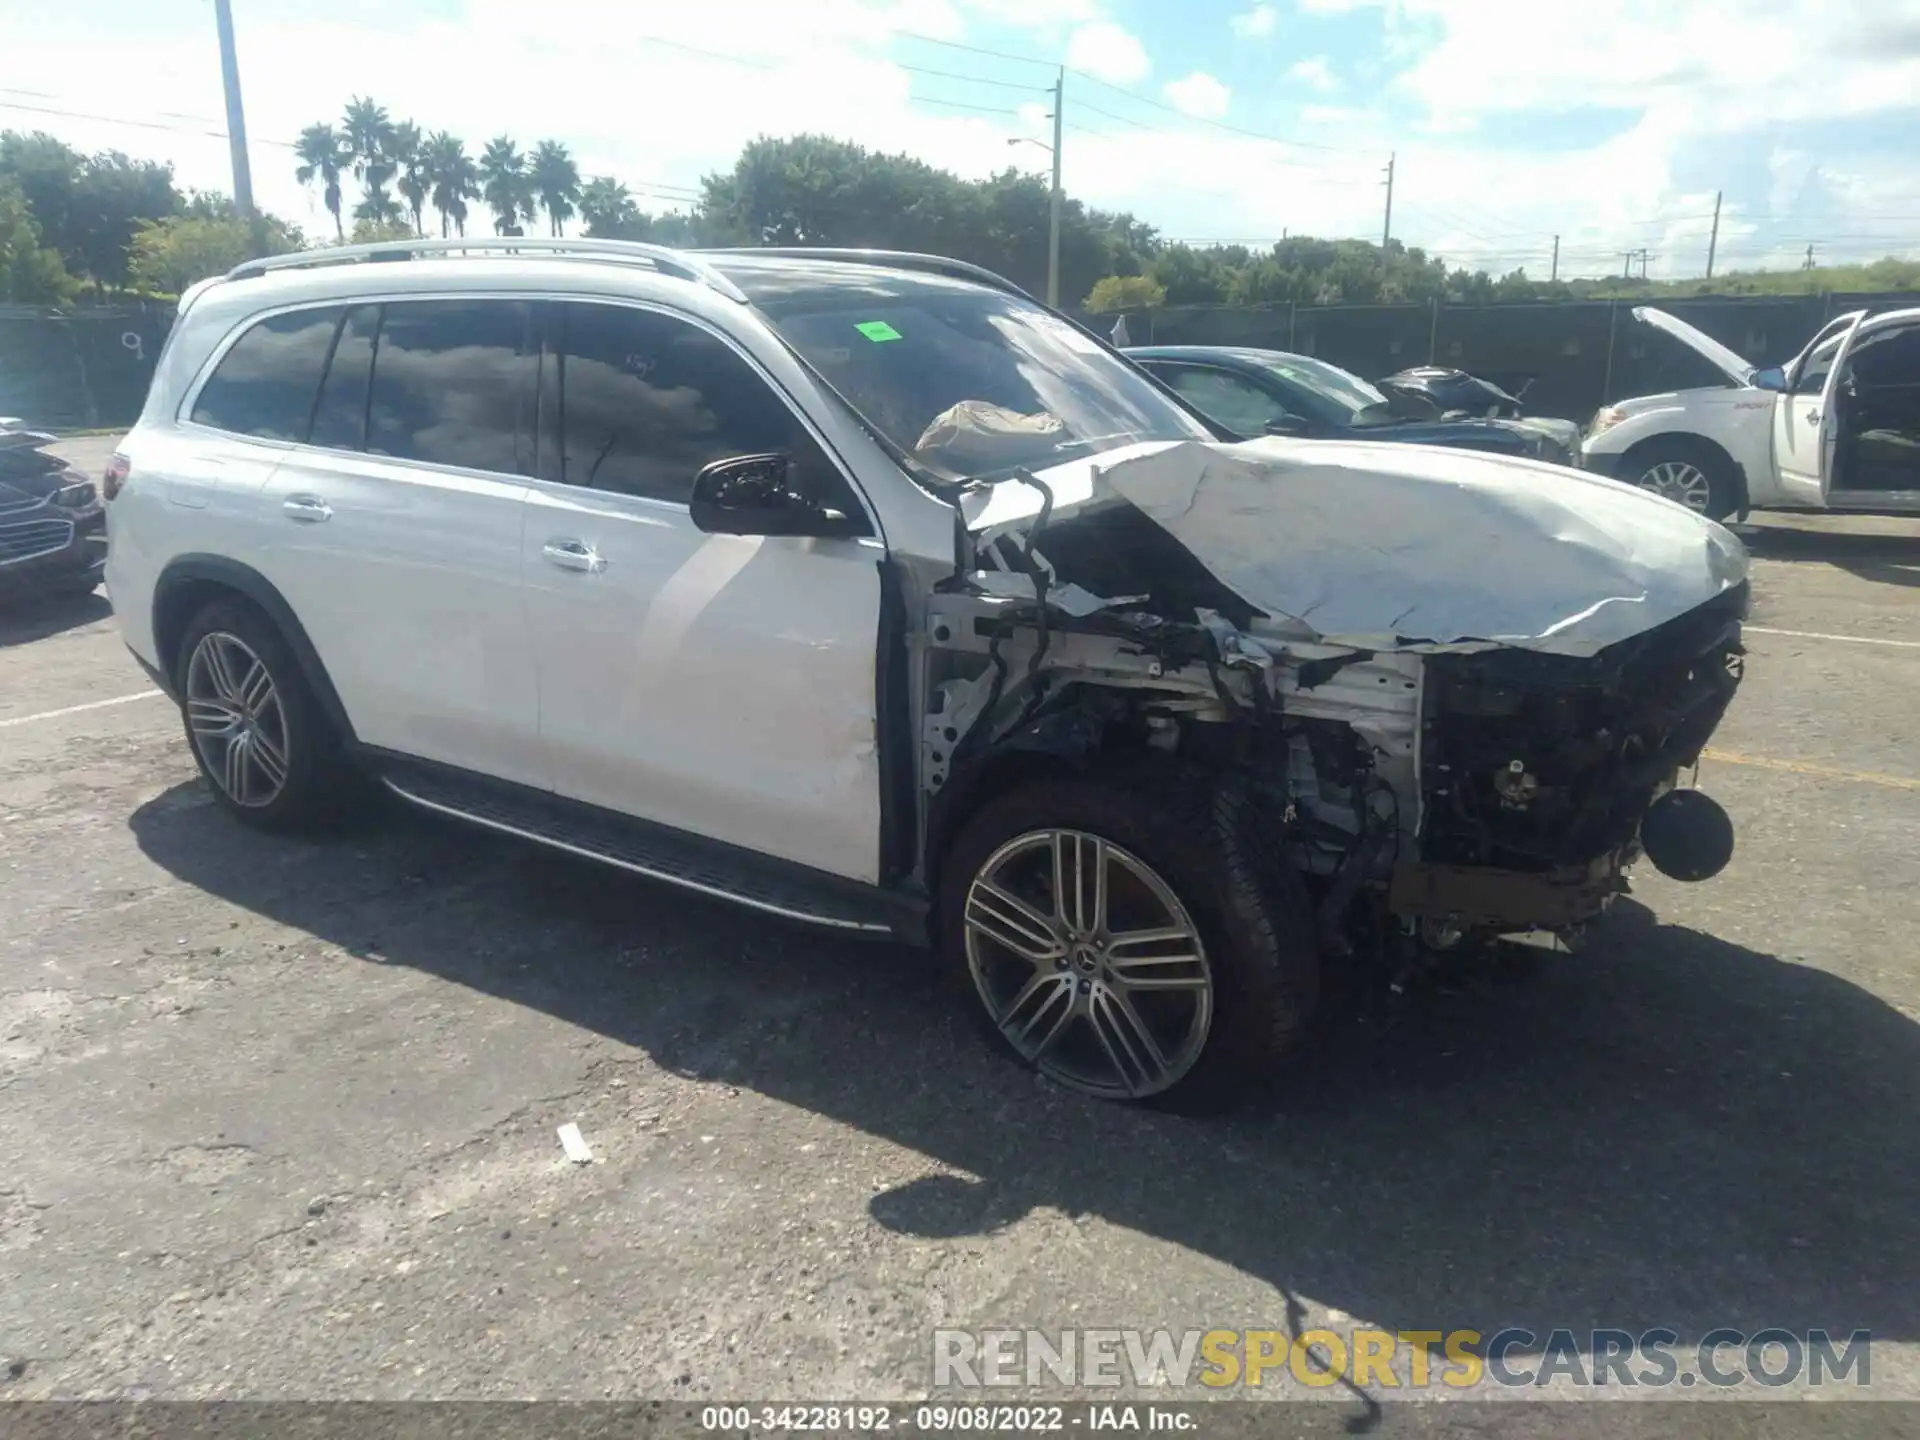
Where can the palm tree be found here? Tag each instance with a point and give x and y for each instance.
(323, 155)
(410, 154)
(608, 209)
(379, 208)
(369, 134)
(454, 180)
(556, 180)
(503, 183)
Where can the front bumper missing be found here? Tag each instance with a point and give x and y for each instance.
(1507, 900)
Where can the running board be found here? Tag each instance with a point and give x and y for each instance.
(691, 862)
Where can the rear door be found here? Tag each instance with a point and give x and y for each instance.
(1805, 427)
(395, 532)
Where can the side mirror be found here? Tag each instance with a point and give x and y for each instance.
(1774, 379)
(756, 495)
(1288, 425)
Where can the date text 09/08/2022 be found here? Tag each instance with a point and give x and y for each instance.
(944, 1418)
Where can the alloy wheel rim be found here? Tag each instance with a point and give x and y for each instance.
(1680, 481)
(1089, 964)
(238, 726)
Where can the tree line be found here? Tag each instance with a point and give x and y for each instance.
(72, 223)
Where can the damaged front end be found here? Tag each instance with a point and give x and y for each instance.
(1461, 691)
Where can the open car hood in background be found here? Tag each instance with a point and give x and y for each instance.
(1735, 367)
(1384, 547)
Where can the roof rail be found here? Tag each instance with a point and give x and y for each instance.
(668, 261)
(898, 259)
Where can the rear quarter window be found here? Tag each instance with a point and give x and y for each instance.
(264, 386)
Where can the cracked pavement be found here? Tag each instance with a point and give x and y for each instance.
(277, 1118)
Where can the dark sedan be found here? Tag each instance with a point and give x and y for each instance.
(1271, 392)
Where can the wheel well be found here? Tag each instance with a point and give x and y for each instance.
(175, 607)
(193, 582)
(1709, 454)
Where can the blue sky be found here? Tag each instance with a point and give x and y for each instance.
(1610, 123)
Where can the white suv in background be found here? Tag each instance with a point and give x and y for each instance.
(1835, 429)
(864, 590)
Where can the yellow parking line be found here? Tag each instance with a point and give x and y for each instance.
(1824, 772)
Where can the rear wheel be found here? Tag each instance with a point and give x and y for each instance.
(1127, 941)
(257, 731)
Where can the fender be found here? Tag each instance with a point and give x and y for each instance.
(1737, 423)
(186, 572)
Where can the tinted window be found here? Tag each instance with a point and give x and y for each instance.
(265, 384)
(453, 384)
(340, 417)
(1235, 402)
(1892, 357)
(647, 400)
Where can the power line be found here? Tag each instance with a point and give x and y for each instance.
(1217, 124)
(138, 124)
(962, 105)
(973, 49)
(978, 79)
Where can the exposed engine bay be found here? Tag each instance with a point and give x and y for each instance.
(1459, 778)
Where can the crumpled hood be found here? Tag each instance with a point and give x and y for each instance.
(1383, 547)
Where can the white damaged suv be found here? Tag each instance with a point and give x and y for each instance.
(864, 590)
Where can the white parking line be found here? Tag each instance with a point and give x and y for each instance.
(1843, 639)
(76, 709)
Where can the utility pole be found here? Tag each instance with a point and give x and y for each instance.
(236, 118)
(1555, 275)
(1386, 229)
(1713, 240)
(1053, 209)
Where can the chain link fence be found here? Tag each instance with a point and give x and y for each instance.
(90, 368)
(1564, 358)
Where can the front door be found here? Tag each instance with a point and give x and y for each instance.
(721, 685)
(1805, 427)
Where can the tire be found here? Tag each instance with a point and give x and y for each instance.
(241, 686)
(1689, 472)
(1254, 971)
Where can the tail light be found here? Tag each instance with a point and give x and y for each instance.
(118, 469)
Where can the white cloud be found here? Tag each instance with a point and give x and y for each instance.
(1710, 103)
(1258, 23)
(1035, 14)
(1337, 7)
(1198, 94)
(1315, 73)
(1108, 51)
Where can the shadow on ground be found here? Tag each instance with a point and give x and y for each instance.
(1666, 1130)
(1884, 559)
(30, 617)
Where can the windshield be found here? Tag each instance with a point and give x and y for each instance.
(1337, 396)
(968, 380)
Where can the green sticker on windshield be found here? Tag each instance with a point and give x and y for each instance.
(878, 330)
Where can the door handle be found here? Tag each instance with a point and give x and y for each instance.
(574, 555)
(307, 509)
(1813, 417)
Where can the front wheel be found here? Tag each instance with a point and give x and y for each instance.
(1126, 940)
(1693, 475)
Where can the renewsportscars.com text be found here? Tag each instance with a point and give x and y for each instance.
(1407, 1359)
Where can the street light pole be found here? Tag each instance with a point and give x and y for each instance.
(1053, 207)
(236, 118)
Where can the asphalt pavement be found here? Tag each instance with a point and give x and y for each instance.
(278, 1118)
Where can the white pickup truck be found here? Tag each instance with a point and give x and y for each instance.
(1837, 429)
